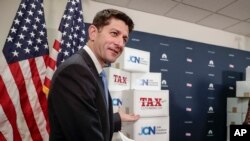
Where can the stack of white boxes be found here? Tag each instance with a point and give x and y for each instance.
(237, 106)
(136, 90)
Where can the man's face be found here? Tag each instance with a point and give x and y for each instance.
(109, 41)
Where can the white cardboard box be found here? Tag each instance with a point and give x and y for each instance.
(244, 104)
(146, 81)
(234, 105)
(148, 103)
(118, 100)
(118, 79)
(133, 60)
(234, 119)
(148, 129)
(242, 88)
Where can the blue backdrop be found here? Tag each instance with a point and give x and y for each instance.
(199, 77)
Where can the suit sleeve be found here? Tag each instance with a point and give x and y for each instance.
(117, 122)
(72, 107)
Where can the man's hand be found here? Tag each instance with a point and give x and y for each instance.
(127, 117)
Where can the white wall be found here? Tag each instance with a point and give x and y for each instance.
(143, 22)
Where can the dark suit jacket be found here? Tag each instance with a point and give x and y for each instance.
(77, 107)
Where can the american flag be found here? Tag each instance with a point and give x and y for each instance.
(71, 38)
(23, 105)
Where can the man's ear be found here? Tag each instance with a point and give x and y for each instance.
(92, 32)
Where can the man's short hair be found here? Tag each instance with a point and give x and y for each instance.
(103, 17)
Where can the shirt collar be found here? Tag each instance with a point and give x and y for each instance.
(94, 59)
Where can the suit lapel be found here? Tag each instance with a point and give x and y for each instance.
(106, 115)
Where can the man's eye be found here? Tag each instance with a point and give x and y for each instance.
(114, 33)
(125, 40)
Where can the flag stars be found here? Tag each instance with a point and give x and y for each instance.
(46, 46)
(79, 20)
(66, 53)
(21, 36)
(34, 27)
(18, 45)
(82, 39)
(24, 28)
(68, 45)
(70, 37)
(15, 53)
(40, 12)
(23, 5)
(33, 5)
(64, 33)
(20, 13)
(30, 13)
(38, 40)
(32, 34)
(36, 48)
(9, 39)
(75, 35)
(27, 35)
(62, 42)
(81, 13)
(66, 25)
(44, 25)
(73, 2)
(79, 47)
(27, 20)
(16, 21)
(29, 42)
(13, 30)
(77, 27)
(64, 17)
(71, 9)
(27, 50)
(37, 19)
(41, 33)
(69, 17)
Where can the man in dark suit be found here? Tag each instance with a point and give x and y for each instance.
(78, 109)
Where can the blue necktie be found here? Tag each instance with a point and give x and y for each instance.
(105, 84)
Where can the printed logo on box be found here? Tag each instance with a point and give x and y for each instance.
(117, 102)
(152, 130)
(138, 60)
(147, 82)
(151, 103)
(120, 80)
